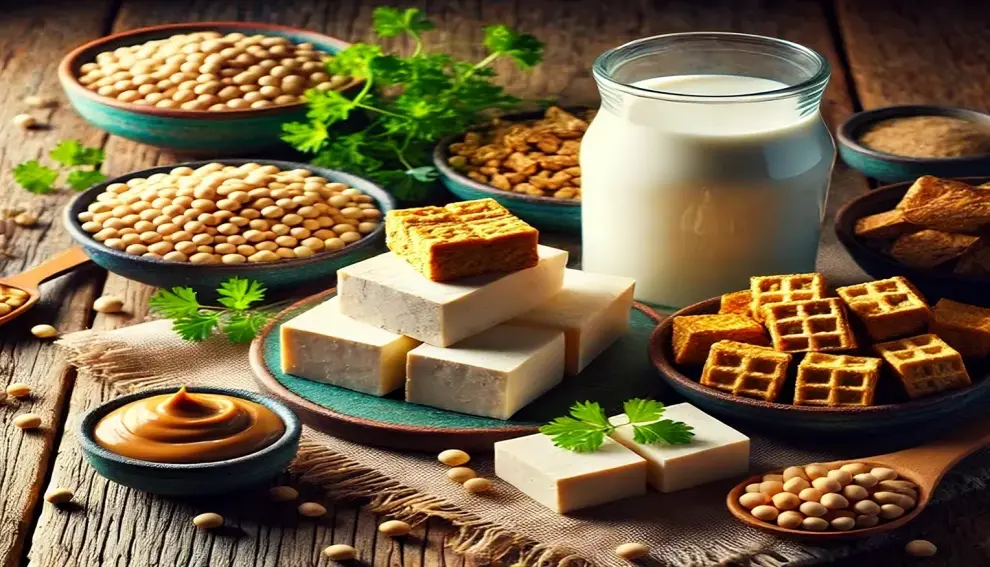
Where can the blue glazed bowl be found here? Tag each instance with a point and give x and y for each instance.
(562, 215)
(189, 479)
(894, 414)
(204, 278)
(890, 168)
(193, 132)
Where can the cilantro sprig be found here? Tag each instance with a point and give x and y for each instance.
(82, 163)
(584, 430)
(238, 319)
(407, 103)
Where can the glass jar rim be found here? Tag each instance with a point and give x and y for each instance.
(817, 81)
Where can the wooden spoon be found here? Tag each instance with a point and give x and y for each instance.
(30, 280)
(924, 466)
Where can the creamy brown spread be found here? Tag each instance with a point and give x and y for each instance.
(188, 427)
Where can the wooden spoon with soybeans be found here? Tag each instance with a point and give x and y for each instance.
(20, 292)
(896, 500)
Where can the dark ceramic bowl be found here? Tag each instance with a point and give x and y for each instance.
(562, 215)
(198, 132)
(890, 168)
(933, 283)
(281, 274)
(894, 414)
(188, 479)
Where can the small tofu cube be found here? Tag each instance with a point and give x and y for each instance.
(737, 302)
(965, 327)
(325, 346)
(716, 451)
(592, 310)
(565, 481)
(492, 374)
(694, 335)
(387, 292)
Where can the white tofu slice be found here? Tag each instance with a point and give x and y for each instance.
(716, 451)
(326, 346)
(493, 374)
(387, 292)
(592, 310)
(563, 480)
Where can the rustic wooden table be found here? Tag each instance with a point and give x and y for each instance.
(882, 52)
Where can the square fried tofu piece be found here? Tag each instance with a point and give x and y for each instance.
(888, 224)
(965, 328)
(695, 334)
(737, 302)
(888, 308)
(767, 290)
(815, 325)
(925, 364)
(836, 380)
(461, 239)
(746, 370)
(930, 248)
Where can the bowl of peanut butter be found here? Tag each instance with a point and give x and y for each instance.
(190, 441)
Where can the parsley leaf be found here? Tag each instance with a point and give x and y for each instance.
(72, 153)
(573, 435)
(243, 326)
(639, 410)
(524, 49)
(590, 412)
(305, 136)
(239, 293)
(425, 174)
(174, 303)
(35, 177)
(82, 179)
(197, 326)
(390, 22)
(665, 432)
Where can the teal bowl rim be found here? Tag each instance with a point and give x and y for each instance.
(88, 421)
(82, 200)
(849, 130)
(74, 59)
(441, 153)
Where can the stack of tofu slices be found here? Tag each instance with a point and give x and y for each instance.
(467, 312)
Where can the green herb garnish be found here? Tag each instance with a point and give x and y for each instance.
(195, 322)
(409, 102)
(584, 430)
(74, 157)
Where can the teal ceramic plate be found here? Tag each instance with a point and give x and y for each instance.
(893, 414)
(562, 215)
(621, 372)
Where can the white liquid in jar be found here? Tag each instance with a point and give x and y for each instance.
(693, 198)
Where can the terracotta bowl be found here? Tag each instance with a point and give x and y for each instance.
(933, 283)
(893, 414)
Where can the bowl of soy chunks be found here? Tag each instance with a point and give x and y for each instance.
(854, 360)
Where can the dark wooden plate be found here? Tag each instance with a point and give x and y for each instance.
(934, 283)
(621, 372)
(894, 412)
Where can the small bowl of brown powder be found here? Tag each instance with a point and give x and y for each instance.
(901, 143)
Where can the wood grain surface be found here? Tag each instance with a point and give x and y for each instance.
(900, 52)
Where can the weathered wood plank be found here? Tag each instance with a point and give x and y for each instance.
(918, 52)
(32, 41)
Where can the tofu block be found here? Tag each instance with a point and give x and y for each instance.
(716, 451)
(592, 310)
(387, 292)
(563, 480)
(493, 374)
(325, 346)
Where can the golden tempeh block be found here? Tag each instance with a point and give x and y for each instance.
(461, 239)
(925, 364)
(695, 334)
(746, 370)
(836, 380)
(815, 325)
(965, 328)
(737, 302)
(768, 290)
(888, 308)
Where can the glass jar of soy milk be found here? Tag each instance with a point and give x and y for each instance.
(708, 163)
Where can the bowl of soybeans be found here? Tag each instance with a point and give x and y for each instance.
(197, 224)
(208, 88)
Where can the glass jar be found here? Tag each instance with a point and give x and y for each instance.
(707, 163)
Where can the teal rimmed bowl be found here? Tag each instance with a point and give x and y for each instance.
(548, 213)
(205, 278)
(193, 132)
(189, 479)
(891, 168)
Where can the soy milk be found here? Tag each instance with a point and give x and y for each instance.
(692, 197)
